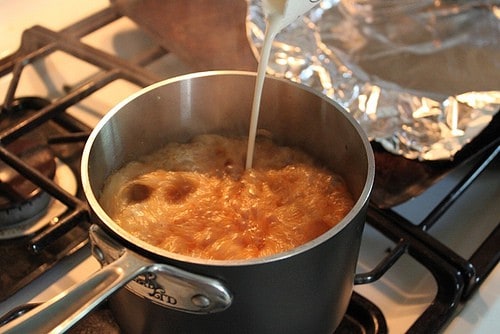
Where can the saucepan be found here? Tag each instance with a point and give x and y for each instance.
(150, 290)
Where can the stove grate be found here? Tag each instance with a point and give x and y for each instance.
(456, 277)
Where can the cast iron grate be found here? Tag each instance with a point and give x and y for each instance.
(26, 258)
(456, 277)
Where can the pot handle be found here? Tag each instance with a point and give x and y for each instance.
(64, 310)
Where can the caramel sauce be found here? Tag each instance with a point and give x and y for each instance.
(198, 199)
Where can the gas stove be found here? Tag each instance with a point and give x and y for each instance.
(429, 263)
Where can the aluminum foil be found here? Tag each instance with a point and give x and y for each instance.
(421, 77)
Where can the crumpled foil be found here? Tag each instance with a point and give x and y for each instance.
(421, 77)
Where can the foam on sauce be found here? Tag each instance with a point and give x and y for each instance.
(198, 199)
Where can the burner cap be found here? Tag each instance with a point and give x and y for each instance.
(20, 199)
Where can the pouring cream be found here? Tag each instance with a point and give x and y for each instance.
(279, 14)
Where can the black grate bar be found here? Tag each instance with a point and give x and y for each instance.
(92, 23)
(484, 259)
(449, 280)
(64, 224)
(385, 264)
(94, 56)
(458, 190)
(52, 41)
(29, 52)
(465, 267)
(41, 180)
(71, 124)
(14, 132)
(75, 137)
(37, 42)
(53, 256)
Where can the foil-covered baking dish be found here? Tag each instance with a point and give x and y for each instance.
(421, 77)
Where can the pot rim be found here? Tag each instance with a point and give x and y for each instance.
(129, 238)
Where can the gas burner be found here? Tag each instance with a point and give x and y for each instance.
(20, 199)
(19, 108)
(49, 213)
(24, 207)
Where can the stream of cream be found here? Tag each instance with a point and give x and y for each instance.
(280, 13)
(272, 29)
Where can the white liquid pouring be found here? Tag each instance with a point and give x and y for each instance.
(279, 14)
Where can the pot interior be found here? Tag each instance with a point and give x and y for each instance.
(220, 102)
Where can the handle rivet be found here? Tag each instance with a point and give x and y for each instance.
(201, 301)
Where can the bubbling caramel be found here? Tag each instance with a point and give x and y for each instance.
(197, 198)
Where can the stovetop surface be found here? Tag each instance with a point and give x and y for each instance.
(401, 185)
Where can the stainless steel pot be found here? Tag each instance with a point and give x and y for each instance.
(305, 290)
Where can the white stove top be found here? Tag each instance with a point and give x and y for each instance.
(393, 293)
